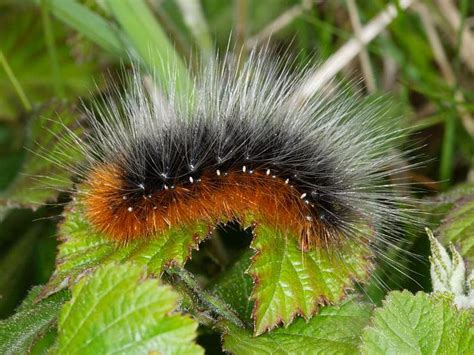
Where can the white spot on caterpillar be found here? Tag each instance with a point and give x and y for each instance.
(268, 172)
(165, 187)
(149, 196)
(124, 197)
(154, 207)
(130, 209)
(191, 180)
(287, 181)
(303, 196)
(309, 218)
(141, 186)
(218, 172)
(192, 167)
(244, 168)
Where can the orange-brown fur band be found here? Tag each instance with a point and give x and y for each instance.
(231, 196)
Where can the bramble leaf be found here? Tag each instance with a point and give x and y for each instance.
(115, 311)
(19, 332)
(290, 282)
(419, 324)
(83, 249)
(335, 330)
(458, 227)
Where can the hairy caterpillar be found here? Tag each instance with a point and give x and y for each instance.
(241, 144)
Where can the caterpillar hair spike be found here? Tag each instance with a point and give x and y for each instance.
(242, 143)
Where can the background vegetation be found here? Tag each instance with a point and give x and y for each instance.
(53, 53)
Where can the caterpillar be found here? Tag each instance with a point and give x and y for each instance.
(242, 143)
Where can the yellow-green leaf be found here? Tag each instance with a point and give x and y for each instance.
(83, 248)
(419, 324)
(458, 226)
(291, 282)
(335, 330)
(115, 310)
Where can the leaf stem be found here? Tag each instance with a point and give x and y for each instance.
(203, 300)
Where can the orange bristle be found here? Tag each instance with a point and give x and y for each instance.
(231, 196)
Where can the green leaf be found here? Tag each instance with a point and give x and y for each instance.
(90, 24)
(19, 332)
(335, 330)
(115, 310)
(151, 42)
(24, 48)
(235, 286)
(458, 226)
(83, 249)
(419, 324)
(15, 266)
(26, 239)
(44, 173)
(440, 204)
(290, 282)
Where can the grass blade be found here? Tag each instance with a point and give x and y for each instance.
(89, 24)
(150, 41)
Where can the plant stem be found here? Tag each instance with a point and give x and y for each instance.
(19, 90)
(202, 300)
(49, 38)
(240, 18)
(447, 151)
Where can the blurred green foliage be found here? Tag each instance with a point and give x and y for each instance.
(58, 49)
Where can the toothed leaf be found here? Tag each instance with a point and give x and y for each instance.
(418, 324)
(115, 311)
(83, 248)
(458, 227)
(290, 282)
(335, 330)
(31, 320)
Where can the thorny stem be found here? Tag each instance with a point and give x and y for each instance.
(210, 310)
